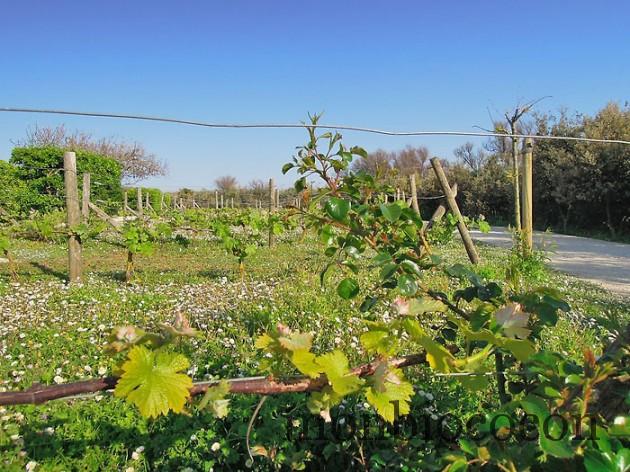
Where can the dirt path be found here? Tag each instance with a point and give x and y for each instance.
(602, 262)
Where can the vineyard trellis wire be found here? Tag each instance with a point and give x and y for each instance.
(306, 125)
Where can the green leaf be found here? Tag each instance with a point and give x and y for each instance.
(359, 151)
(152, 382)
(296, 341)
(554, 445)
(521, 348)
(484, 227)
(300, 184)
(390, 396)
(596, 461)
(337, 208)
(287, 167)
(305, 362)
(418, 306)
(438, 357)
(320, 403)
(407, 285)
(335, 365)
(348, 288)
(391, 212)
(215, 400)
(379, 341)
(387, 270)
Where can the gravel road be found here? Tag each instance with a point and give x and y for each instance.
(601, 262)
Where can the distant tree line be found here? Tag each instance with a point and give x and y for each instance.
(578, 186)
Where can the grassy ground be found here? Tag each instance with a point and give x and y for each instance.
(51, 333)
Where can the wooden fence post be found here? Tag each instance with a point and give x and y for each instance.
(450, 199)
(85, 198)
(74, 218)
(222, 205)
(439, 212)
(125, 203)
(139, 200)
(414, 193)
(527, 194)
(272, 200)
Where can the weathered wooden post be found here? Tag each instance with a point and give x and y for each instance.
(139, 200)
(85, 198)
(516, 183)
(125, 203)
(272, 200)
(450, 199)
(147, 201)
(414, 193)
(222, 205)
(232, 202)
(74, 218)
(527, 193)
(162, 201)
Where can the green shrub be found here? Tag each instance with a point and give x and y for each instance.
(41, 171)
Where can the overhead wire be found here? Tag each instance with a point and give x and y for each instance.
(309, 125)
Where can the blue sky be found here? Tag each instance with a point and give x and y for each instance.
(398, 65)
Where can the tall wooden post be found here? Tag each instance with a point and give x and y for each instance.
(232, 202)
(147, 202)
(222, 205)
(516, 183)
(74, 218)
(85, 198)
(414, 193)
(450, 199)
(216, 200)
(272, 200)
(139, 200)
(527, 193)
(162, 201)
(125, 203)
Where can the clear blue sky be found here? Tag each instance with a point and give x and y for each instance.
(389, 64)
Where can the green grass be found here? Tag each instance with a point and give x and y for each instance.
(51, 333)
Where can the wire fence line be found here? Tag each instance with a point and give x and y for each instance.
(307, 125)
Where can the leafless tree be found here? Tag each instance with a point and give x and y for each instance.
(377, 163)
(411, 160)
(137, 163)
(226, 184)
(467, 155)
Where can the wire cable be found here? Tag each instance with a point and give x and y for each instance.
(306, 125)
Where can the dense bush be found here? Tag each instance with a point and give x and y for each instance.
(14, 195)
(41, 171)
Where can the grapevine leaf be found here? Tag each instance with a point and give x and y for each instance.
(215, 400)
(392, 399)
(438, 357)
(320, 403)
(151, 381)
(304, 361)
(296, 341)
(379, 341)
(335, 365)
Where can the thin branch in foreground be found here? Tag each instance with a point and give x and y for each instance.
(254, 386)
